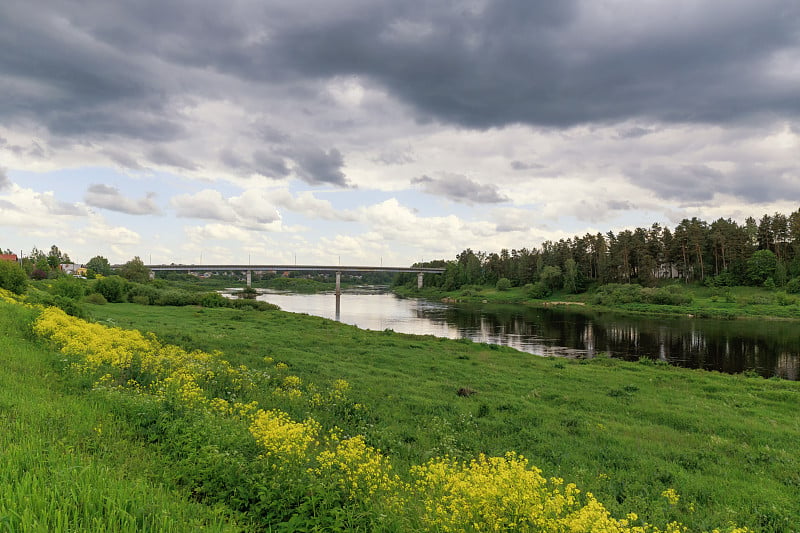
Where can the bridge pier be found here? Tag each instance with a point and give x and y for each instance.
(420, 275)
(338, 285)
(249, 278)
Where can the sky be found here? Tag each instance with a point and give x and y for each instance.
(367, 132)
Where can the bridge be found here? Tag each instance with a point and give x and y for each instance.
(338, 269)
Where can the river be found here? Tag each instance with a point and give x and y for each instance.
(770, 348)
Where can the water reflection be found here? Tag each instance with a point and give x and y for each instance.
(768, 347)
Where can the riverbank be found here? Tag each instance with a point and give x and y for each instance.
(721, 303)
(630, 433)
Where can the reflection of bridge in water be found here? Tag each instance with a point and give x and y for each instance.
(249, 269)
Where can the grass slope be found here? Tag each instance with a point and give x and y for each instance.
(67, 464)
(627, 432)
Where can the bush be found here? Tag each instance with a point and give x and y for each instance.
(670, 295)
(140, 299)
(538, 290)
(112, 288)
(793, 286)
(142, 294)
(96, 299)
(38, 274)
(617, 293)
(12, 277)
(503, 284)
(212, 299)
(177, 297)
(69, 287)
(70, 306)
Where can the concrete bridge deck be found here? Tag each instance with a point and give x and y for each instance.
(338, 269)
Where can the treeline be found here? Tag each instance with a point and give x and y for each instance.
(720, 253)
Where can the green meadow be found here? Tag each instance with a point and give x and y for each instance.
(705, 449)
(627, 432)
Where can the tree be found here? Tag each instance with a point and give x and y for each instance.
(571, 276)
(112, 288)
(760, 266)
(134, 270)
(56, 257)
(551, 277)
(99, 265)
(12, 277)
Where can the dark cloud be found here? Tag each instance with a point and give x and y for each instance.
(317, 167)
(699, 183)
(106, 197)
(5, 183)
(264, 163)
(126, 69)
(269, 165)
(460, 189)
(122, 159)
(560, 63)
(162, 156)
(634, 133)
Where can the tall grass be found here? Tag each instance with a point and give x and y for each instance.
(67, 463)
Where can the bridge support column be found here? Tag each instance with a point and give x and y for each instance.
(420, 275)
(152, 274)
(338, 284)
(249, 278)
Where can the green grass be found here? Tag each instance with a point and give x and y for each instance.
(68, 464)
(721, 302)
(729, 445)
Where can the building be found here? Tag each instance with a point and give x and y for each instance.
(73, 269)
(9, 257)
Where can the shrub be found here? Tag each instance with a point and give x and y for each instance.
(670, 295)
(538, 290)
(38, 274)
(212, 299)
(175, 297)
(142, 294)
(112, 288)
(12, 277)
(69, 287)
(793, 286)
(70, 306)
(503, 284)
(617, 293)
(96, 299)
(140, 299)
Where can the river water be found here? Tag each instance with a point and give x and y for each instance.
(771, 348)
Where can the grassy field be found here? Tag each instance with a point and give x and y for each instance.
(68, 463)
(630, 433)
(706, 302)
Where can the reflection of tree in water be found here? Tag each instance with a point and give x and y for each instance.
(771, 348)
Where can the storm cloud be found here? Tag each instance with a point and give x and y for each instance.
(460, 189)
(493, 64)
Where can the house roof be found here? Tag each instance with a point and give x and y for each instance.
(8, 257)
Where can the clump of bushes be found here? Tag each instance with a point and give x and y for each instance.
(12, 277)
(625, 293)
(503, 284)
(537, 290)
(95, 298)
(793, 286)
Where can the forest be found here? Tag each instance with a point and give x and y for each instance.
(721, 253)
